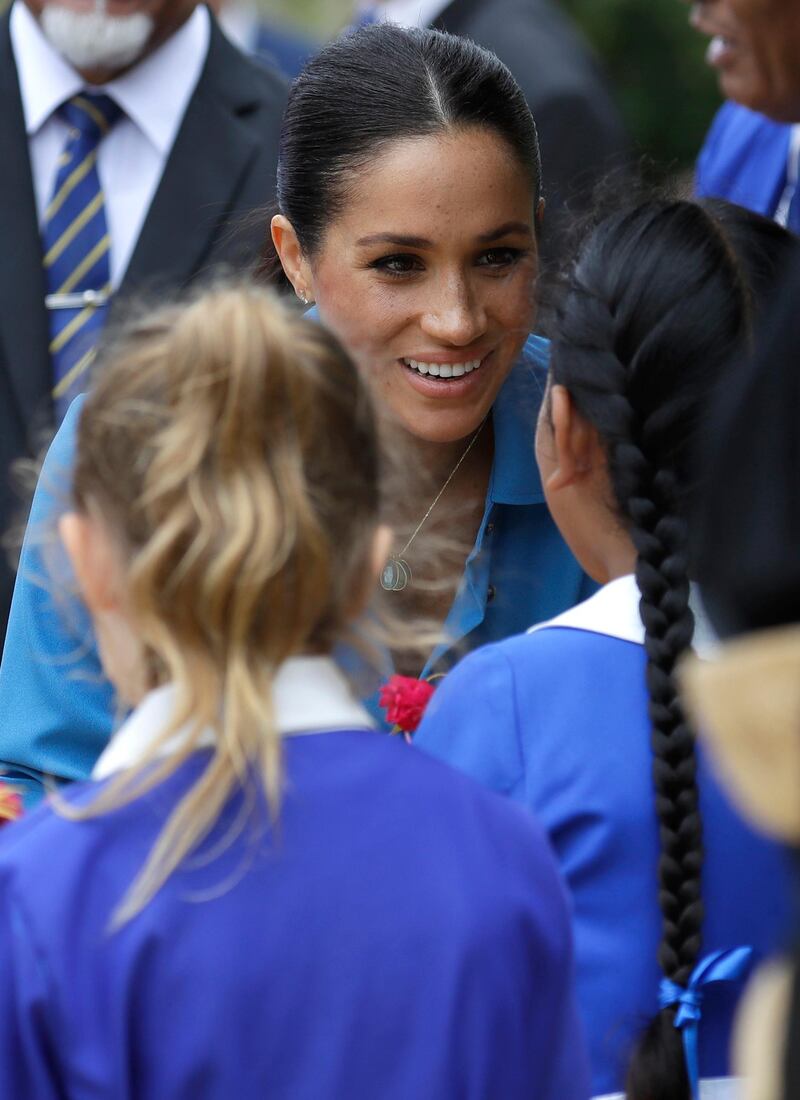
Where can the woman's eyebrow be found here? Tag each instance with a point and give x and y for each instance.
(396, 238)
(505, 230)
(405, 241)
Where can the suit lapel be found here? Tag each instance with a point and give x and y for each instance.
(23, 324)
(214, 148)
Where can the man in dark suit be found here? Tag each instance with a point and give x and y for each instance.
(580, 132)
(184, 146)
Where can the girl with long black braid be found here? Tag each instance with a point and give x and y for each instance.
(580, 719)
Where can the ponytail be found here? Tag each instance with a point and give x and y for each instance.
(229, 450)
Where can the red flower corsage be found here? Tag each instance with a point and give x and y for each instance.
(10, 804)
(404, 699)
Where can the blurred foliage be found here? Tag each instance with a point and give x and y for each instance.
(321, 17)
(653, 60)
(655, 63)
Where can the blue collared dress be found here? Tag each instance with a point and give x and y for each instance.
(558, 720)
(56, 708)
(402, 933)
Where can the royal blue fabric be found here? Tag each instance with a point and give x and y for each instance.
(56, 709)
(744, 159)
(558, 721)
(402, 934)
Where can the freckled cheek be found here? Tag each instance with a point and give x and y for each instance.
(513, 303)
(372, 323)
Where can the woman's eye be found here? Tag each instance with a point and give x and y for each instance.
(499, 257)
(397, 265)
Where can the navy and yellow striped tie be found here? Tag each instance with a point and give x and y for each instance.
(76, 247)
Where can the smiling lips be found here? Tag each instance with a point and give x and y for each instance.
(443, 370)
(721, 45)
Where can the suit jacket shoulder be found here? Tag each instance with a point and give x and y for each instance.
(222, 168)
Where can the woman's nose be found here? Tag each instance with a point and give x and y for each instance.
(454, 316)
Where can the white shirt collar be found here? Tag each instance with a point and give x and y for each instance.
(154, 94)
(408, 13)
(614, 612)
(310, 695)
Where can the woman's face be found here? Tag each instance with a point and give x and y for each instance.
(427, 278)
(754, 48)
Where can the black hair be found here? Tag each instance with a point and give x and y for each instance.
(747, 523)
(658, 302)
(747, 529)
(375, 86)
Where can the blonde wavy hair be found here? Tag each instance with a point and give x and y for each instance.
(230, 449)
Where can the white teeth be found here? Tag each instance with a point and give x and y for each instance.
(443, 370)
(716, 48)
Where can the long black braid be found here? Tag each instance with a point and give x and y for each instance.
(653, 310)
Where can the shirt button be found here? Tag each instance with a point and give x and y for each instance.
(491, 592)
(489, 528)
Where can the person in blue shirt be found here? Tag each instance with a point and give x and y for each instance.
(580, 720)
(751, 160)
(409, 213)
(257, 894)
(745, 540)
(751, 155)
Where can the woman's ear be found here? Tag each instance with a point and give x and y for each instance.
(540, 207)
(93, 561)
(576, 447)
(294, 263)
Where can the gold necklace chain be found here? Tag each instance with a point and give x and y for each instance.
(396, 574)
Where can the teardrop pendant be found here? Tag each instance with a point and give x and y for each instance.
(396, 575)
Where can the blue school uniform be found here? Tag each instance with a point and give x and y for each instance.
(746, 159)
(400, 933)
(56, 708)
(557, 720)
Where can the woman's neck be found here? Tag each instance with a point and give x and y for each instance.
(439, 460)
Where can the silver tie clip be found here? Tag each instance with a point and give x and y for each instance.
(79, 299)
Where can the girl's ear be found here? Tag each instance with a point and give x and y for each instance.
(576, 446)
(294, 263)
(374, 566)
(381, 548)
(93, 561)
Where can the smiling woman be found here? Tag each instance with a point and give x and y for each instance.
(409, 190)
(410, 215)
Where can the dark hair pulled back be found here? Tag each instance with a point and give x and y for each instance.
(375, 86)
(656, 305)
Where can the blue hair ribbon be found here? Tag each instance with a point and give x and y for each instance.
(719, 966)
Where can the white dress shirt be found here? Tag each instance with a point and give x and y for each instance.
(792, 178)
(407, 13)
(154, 96)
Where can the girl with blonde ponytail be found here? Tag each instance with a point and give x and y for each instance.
(257, 894)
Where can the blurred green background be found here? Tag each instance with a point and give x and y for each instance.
(653, 60)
